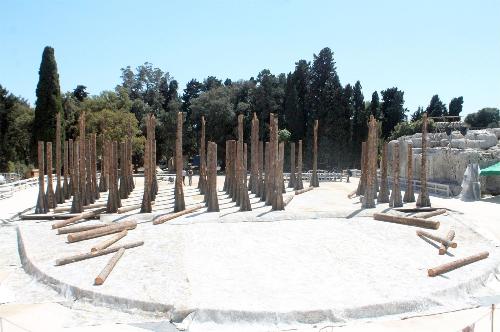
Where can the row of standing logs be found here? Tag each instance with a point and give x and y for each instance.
(368, 185)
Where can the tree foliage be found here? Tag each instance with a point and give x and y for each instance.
(484, 118)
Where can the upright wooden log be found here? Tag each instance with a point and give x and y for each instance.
(66, 172)
(409, 196)
(51, 198)
(76, 203)
(423, 199)
(81, 161)
(152, 176)
(130, 163)
(103, 181)
(87, 255)
(314, 176)
(179, 204)
(408, 221)
(260, 180)
(368, 200)
(226, 170)
(383, 194)
(202, 182)
(102, 231)
(112, 205)
(273, 151)
(123, 190)
(457, 264)
(450, 236)
(360, 191)
(88, 165)
(212, 200)
(101, 278)
(71, 158)
(245, 164)
(254, 159)
(301, 191)
(233, 162)
(108, 242)
(93, 162)
(299, 184)
(265, 180)
(291, 181)
(59, 193)
(42, 206)
(244, 199)
(278, 203)
(395, 199)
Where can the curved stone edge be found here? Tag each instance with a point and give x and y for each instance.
(415, 306)
(72, 292)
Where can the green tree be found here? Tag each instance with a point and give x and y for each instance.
(436, 107)
(485, 117)
(79, 93)
(359, 121)
(293, 118)
(48, 102)
(392, 110)
(211, 82)
(375, 106)
(417, 115)
(455, 107)
(301, 77)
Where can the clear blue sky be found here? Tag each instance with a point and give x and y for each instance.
(425, 47)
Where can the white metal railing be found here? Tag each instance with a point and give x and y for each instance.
(322, 177)
(8, 189)
(433, 187)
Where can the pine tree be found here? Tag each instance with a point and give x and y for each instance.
(455, 106)
(436, 107)
(391, 110)
(375, 106)
(48, 102)
(359, 121)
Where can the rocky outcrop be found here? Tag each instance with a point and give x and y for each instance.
(448, 156)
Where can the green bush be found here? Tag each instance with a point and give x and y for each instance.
(410, 128)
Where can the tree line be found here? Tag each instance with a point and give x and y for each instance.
(311, 91)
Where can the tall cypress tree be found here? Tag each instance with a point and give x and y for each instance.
(48, 102)
(359, 122)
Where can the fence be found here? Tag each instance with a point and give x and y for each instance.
(8, 189)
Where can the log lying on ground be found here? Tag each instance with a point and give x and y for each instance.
(411, 210)
(301, 191)
(456, 264)
(76, 229)
(129, 208)
(426, 215)
(109, 229)
(437, 238)
(90, 206)
(409, 221)
(450, 236)
(87, 255)
(81, 216)
(101, 278)
(106, 243)
(174, 215)
(352, 195)
(287, 199)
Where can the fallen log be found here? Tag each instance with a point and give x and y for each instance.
(101, 278)
(86, 207)
(129, 208)
(408, 221)
(411, 210)
(450, 236)
(76, 229)
(426, 215)
(106, 243)
(98, 232)
(87, 255)
(48, 216)
(352, 195)
(436, 238)
(456, 264)
(78, 218)
(287, 199)
(301, 191)
(171, 216)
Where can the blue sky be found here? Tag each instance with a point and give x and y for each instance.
(425, 47)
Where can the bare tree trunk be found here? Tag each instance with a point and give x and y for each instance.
(260, 162)
(93, 148)
(88, 166)
(77, 203)
(66, 189)
(278, 203)
(51, 199)
(212, 200)
(71, 167)
(103, 181)
(42, 205)
(362, 179)
(409, 196)
(59, 189)
(179, 204)
(383, 194)
(371, 170)
(423, 199)
(146, 206)
(254, 159)
(82, 170)
(395, 199)
(314, 176)
(291, 182)
(243, 199)
(299, 184)
(202, 182)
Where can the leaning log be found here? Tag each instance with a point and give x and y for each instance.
(408, 221)
(456, 264)
(108, 242)
(87, 255)
(436, 238)
(77, 218)
(76, 229)
(430, 214)
(109, 229)
(450, 236)
(174, 215)
(301, 191)
(101, 278)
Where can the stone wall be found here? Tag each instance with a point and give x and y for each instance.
(448, 156)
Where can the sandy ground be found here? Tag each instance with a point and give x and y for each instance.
(306, 265)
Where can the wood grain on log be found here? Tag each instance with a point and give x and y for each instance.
(436, 238)
(108, 242)
(408, 221)
(450, 236)
(98, 232)
(162, 219)
(432, 272)
(87, 255)
(426, 215)
(76, 229)
(101, 278)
